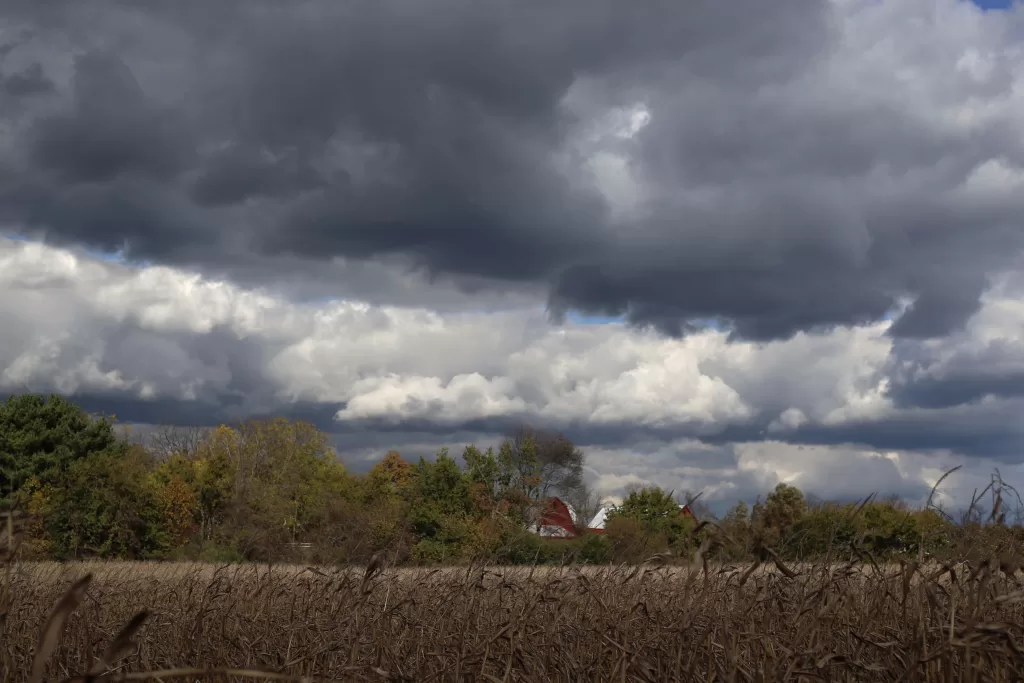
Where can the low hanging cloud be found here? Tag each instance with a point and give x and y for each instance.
(84, 325)
(803, 217)
(829, 411)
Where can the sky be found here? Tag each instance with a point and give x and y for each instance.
(719, 245)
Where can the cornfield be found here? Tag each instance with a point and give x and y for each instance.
(702, 622)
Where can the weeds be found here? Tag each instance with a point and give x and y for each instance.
(686, 619)
(852, 622)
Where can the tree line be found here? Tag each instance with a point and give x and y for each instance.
(275, 490)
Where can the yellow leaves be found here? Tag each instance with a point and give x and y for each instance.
(276, 470)
(223, 442)
(37, 507)
(179, 507)
(38, 502)
(175, 466)
(223, 431)
(487, 536)
(32, 485)
(35, 497)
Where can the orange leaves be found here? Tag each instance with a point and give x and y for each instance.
(393, 469)
(483, 498)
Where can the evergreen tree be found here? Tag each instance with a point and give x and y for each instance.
(41, 437)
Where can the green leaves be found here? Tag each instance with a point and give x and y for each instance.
(107, 506)
(260, 489)
(651, 519)
(650, 505)
(41, 436)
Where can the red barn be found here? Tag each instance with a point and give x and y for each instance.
(555, 519)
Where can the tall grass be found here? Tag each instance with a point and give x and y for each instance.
(689, 619)
(849, 622)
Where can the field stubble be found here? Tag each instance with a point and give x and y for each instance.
(731, 623)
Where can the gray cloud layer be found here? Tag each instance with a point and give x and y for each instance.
(796, 171)
(803, 164)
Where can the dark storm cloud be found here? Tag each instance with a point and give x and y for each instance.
(918, 379)
(317, 129)
(388, 128)
(954, 391)
(236, 173)
(756, 304)
(129, 214)
(111, 129)
(992, 431)
(211, 410)
(164, 411)
(27, 82)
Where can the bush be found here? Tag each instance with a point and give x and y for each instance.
(432, 552)
(629, 542)
(593, 549)
(521, 547)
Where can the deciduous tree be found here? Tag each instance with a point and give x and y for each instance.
(106, 506)
(542, 463)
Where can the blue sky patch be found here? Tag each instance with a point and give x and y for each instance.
(582, 319)
(994, 4)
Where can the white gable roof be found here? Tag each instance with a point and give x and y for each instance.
(572, 513)
(602, 516)
(598, 521)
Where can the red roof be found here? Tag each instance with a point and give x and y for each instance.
(556, 520)
(557, 513)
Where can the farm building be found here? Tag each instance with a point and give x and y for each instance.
(597, 523)
(555, 519)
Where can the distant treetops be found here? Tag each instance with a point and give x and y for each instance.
(275, 490)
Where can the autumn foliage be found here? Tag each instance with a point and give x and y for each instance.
(275, 490)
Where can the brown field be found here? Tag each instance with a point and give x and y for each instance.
(807, 622)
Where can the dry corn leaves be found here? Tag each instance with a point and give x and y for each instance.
(762, 622)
